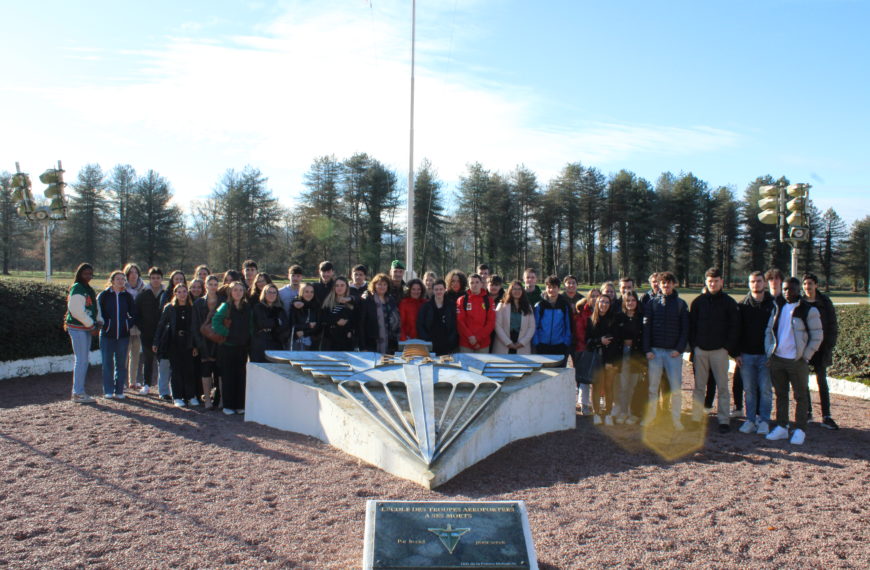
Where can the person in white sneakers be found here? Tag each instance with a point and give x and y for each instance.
(793, 335)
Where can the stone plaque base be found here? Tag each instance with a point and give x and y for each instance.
(449, 534)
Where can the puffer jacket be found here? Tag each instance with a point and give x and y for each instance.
(553, 322)
(806, 326)
(666, 323)
(714, 323)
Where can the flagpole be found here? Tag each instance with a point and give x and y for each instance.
(409, 247)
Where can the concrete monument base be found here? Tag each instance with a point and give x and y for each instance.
(283, 397)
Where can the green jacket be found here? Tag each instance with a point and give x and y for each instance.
(81, 305)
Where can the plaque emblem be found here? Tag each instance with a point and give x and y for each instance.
(449, 536)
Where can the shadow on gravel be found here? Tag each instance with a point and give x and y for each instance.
(210, 427)
(569, 457)
(262, 552)
(48, 389)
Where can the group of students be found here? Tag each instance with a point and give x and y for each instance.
(202, 333)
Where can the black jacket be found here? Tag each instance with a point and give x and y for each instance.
(301, 320)
(148, 311)
(824, 355)
(666, 323)
(714, 323)
(438, 326)
(167, 329)
(368, 330)
(607, 326)
(753, 320)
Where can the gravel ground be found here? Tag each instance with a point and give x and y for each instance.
(140, 484)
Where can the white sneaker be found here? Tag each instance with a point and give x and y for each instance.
(620, 420)
(632, 420)
(763, 428)
(748, 427)
(229, 412)
(108, 396)
(596, 419)
(798, 437)
(194, 402)
(735, 413)
(178, 403)
(608, 420)
(120, 396)
(145, 389)
(778, 432)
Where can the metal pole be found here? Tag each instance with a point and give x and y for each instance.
(46, 231)
(409, 247)
(794, 259)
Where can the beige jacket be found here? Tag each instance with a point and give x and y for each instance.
(503, 331)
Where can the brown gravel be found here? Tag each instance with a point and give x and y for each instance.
(140, 484)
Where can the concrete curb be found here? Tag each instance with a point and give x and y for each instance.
(835, 385)
(42, 365)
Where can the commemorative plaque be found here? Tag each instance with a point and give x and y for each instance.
(450, 534)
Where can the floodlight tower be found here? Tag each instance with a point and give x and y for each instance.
(47, 215)
(786, 207)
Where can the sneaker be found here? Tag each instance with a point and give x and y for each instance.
(241, 412)
(82, 399)
(678, 426)
(194, 402)
(229, 412)
(778, 432)
(608, 420)
(748, 427)
(596, 419)
(108, 396)
(120, 396)
(829, 423)
(145, 389)
(178, 403)
(763, 428)
(632, 420)
(620, 420)
(737, 413)
(724, 428)
(798, 437)
(708, 410)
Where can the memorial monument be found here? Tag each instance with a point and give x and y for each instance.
(414, 415)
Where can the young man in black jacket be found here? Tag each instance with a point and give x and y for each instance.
(755, 310)
(713, 334)
(823, 357)
(148, 309)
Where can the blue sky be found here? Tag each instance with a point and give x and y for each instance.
(726, 90)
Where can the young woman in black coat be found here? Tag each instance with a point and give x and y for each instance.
(602, 334)
(338, 317)
(270, 324)
(305, 320)
(174, 341)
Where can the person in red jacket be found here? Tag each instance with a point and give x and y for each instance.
(409, 308)
(580, 317)
(475, 318)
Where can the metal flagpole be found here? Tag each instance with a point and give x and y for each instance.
(409, 247)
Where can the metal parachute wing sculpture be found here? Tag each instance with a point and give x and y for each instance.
(422, 401)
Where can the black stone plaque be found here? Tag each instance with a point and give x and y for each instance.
(451, 534)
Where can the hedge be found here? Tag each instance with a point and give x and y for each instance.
(852, 353)
(31, 320)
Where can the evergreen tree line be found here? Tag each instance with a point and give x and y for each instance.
(351, 211)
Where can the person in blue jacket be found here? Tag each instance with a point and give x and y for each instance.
(553, 322)
(118, 315)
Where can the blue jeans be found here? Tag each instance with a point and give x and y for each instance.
(673, 367)
(757, 387)
(81, 344)
(164, 373)
(114, 352)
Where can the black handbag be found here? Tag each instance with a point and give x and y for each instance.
(591, 362)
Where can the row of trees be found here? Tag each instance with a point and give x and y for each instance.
(351, 211)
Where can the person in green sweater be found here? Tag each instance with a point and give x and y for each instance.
(81, 322)
(233, 319)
